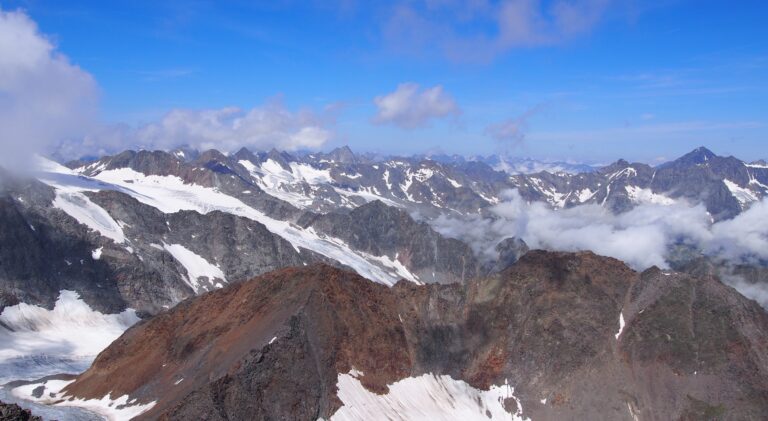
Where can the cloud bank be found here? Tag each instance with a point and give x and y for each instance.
(410, 107)
(43, 97)
(640, 237)
(226, 129)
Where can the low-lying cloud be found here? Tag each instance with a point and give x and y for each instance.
(640, 237)
(410, 107)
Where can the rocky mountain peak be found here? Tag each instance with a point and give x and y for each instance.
(281, 157)
(343, 155)
(698, 156)
(246, 155)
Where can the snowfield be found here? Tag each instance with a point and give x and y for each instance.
(36, 342)
(71, 330)
(80, 207)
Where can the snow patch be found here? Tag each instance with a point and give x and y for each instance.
(96, 254)
(584, 195)
(641, 195)
(453, 182)
(200, 273)
(743, 195)
(427, 397)
(117, 409)
(621, 325)
(80, 207)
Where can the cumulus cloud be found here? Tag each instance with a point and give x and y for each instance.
(409, 106)
(484, 28)
(44, 98)
(640, 237)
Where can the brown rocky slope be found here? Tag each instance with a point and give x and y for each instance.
(273, 347)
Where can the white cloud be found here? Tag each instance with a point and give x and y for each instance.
(410, 107)
(43, 97)
(50, 106)
(226, 129)
(640, 237)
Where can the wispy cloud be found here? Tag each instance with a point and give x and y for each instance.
(481, 29)
(511, 133)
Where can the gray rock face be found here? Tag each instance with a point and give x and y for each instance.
(510, 251)
(43, 251)
(381, 230)
(13, 412)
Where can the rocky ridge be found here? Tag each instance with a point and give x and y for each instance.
(578, 336)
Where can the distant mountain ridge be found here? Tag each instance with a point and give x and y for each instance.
(440, 184)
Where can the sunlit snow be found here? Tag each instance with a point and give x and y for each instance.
(200, 273)
(427, 397)
(113, 409)
(72, 329)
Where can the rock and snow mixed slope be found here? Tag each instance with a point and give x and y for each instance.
(170, 194)
(126, 239)
(537, 341)
(724, 185)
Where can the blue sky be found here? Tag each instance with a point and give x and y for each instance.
(602, 80)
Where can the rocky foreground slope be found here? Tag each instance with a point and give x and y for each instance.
(566, 336)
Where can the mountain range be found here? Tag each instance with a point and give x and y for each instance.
(251, 276)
